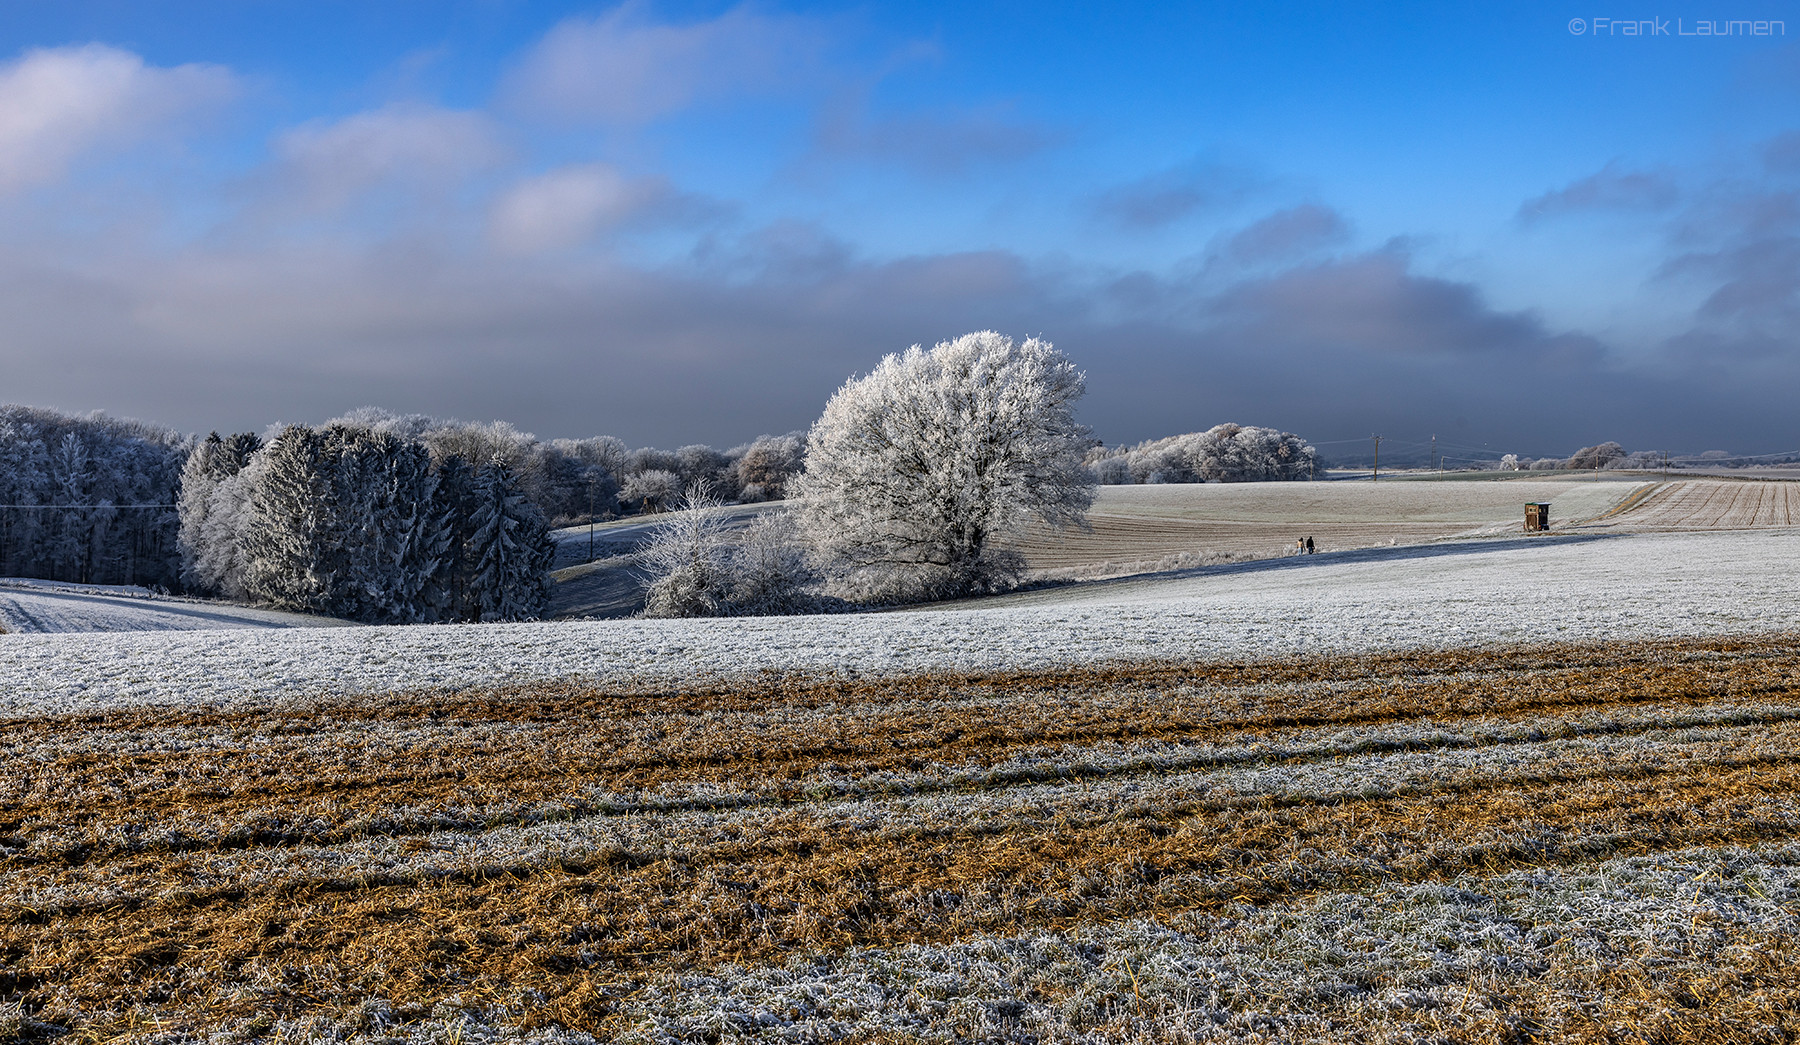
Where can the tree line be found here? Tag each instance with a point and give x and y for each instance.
(88, 499)
(372, 516)
(351, 522)
(903, 490)
(1227, 453)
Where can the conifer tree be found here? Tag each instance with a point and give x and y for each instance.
(291, 556)
(510, 548)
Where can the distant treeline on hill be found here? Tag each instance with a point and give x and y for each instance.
(1614, 457)
(1226, 453)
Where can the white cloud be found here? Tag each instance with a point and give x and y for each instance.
(623, 68)
(568, 206)
(328, 165)
(59, 104)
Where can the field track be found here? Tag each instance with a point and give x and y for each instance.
(1605, 836)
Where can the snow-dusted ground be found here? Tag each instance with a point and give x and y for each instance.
(578, 544)
(1548, 588)
(50, 606)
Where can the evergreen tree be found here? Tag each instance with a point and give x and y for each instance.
(455, 507)
(69, 466)
(291, 554)
(510, 548)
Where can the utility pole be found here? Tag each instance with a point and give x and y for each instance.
(590, 517)
(1434, 457)
(1376, 476)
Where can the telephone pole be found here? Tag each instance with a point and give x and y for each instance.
(1435, 462)
(1376, 476)
(591, 482)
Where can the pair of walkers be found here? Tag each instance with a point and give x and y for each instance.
(1303, 546)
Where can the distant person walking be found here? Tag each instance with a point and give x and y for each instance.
(1309, 546)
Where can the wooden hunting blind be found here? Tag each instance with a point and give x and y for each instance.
(1537, 516)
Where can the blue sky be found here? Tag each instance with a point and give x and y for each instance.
(690, 222)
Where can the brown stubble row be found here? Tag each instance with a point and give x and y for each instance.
(759, 884)
(300, 774)
(799, 881)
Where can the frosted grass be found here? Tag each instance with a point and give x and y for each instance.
(1631, 587)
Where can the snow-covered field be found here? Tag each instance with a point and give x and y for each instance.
(28, 606)
(1468, 842)
(1478, 592)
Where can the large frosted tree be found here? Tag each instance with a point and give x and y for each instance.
(913, 471)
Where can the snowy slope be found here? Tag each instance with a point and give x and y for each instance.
(1480, 592)
(44, 606)
(579, 544)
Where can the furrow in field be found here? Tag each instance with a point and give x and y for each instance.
(40, 837)
(1710, 504)
(204, 868)
(87, 878)
(298, 779)
(798, 880)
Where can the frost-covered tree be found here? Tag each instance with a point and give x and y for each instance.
(766, 466)
(701, 464)
(391, 533)
(1595, 456)
(88, 499)
(455, 503)
(915, 469)
(210, 558)
(651, 490)
(510, 548)
(687, 559)
(695, 564)
(293, 553)
(771, 572)
(1227, 453)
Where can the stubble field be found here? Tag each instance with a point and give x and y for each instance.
(1551, 842)
(1136, 527)
(1485, 791)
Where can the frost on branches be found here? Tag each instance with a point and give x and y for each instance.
(696, 565)
(914, 470)
(361, 523)
(1226, 453)
(509, 548)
